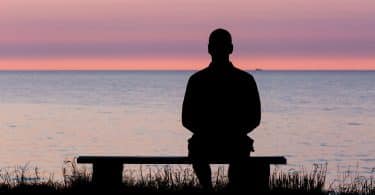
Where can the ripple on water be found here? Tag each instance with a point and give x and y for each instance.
(341, 155)
(367, 159)
(354, 124)
(319, 161)
(12, 126)
(105, 112)
(329, 109)
(369, 169)
(305, 143)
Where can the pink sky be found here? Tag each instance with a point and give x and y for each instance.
(168, 34)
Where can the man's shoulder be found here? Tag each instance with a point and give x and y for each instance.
(243, 74)
(199, 74)
(207, 72)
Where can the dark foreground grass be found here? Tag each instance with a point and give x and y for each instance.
(174, 180)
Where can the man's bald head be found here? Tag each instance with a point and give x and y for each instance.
(220, 43)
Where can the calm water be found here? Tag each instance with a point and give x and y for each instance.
(309, 117)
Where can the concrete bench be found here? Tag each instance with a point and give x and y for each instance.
(107, 170)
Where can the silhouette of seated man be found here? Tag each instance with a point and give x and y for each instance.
(221, 106)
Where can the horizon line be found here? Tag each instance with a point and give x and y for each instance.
(177, 70)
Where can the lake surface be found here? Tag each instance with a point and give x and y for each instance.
(309, 117)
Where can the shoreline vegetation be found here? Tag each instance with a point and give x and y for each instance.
(179, 180)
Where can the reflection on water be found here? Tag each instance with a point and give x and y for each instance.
(309, 117)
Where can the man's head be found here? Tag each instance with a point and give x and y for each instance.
(220, 44)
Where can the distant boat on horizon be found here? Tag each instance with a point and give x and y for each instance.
(258, 69)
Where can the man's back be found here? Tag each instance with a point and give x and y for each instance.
(221, 106)
(221, 101)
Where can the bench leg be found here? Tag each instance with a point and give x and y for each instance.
(260, 175)
(251, 177)
(107, 175)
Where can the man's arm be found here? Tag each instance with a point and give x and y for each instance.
(188, 109)
(253, 106)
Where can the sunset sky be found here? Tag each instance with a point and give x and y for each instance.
(173, 34)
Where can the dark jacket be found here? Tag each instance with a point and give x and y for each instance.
(221, 101)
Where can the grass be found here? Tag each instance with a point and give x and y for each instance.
(178, 180)
(300, 181)
(350, 182)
